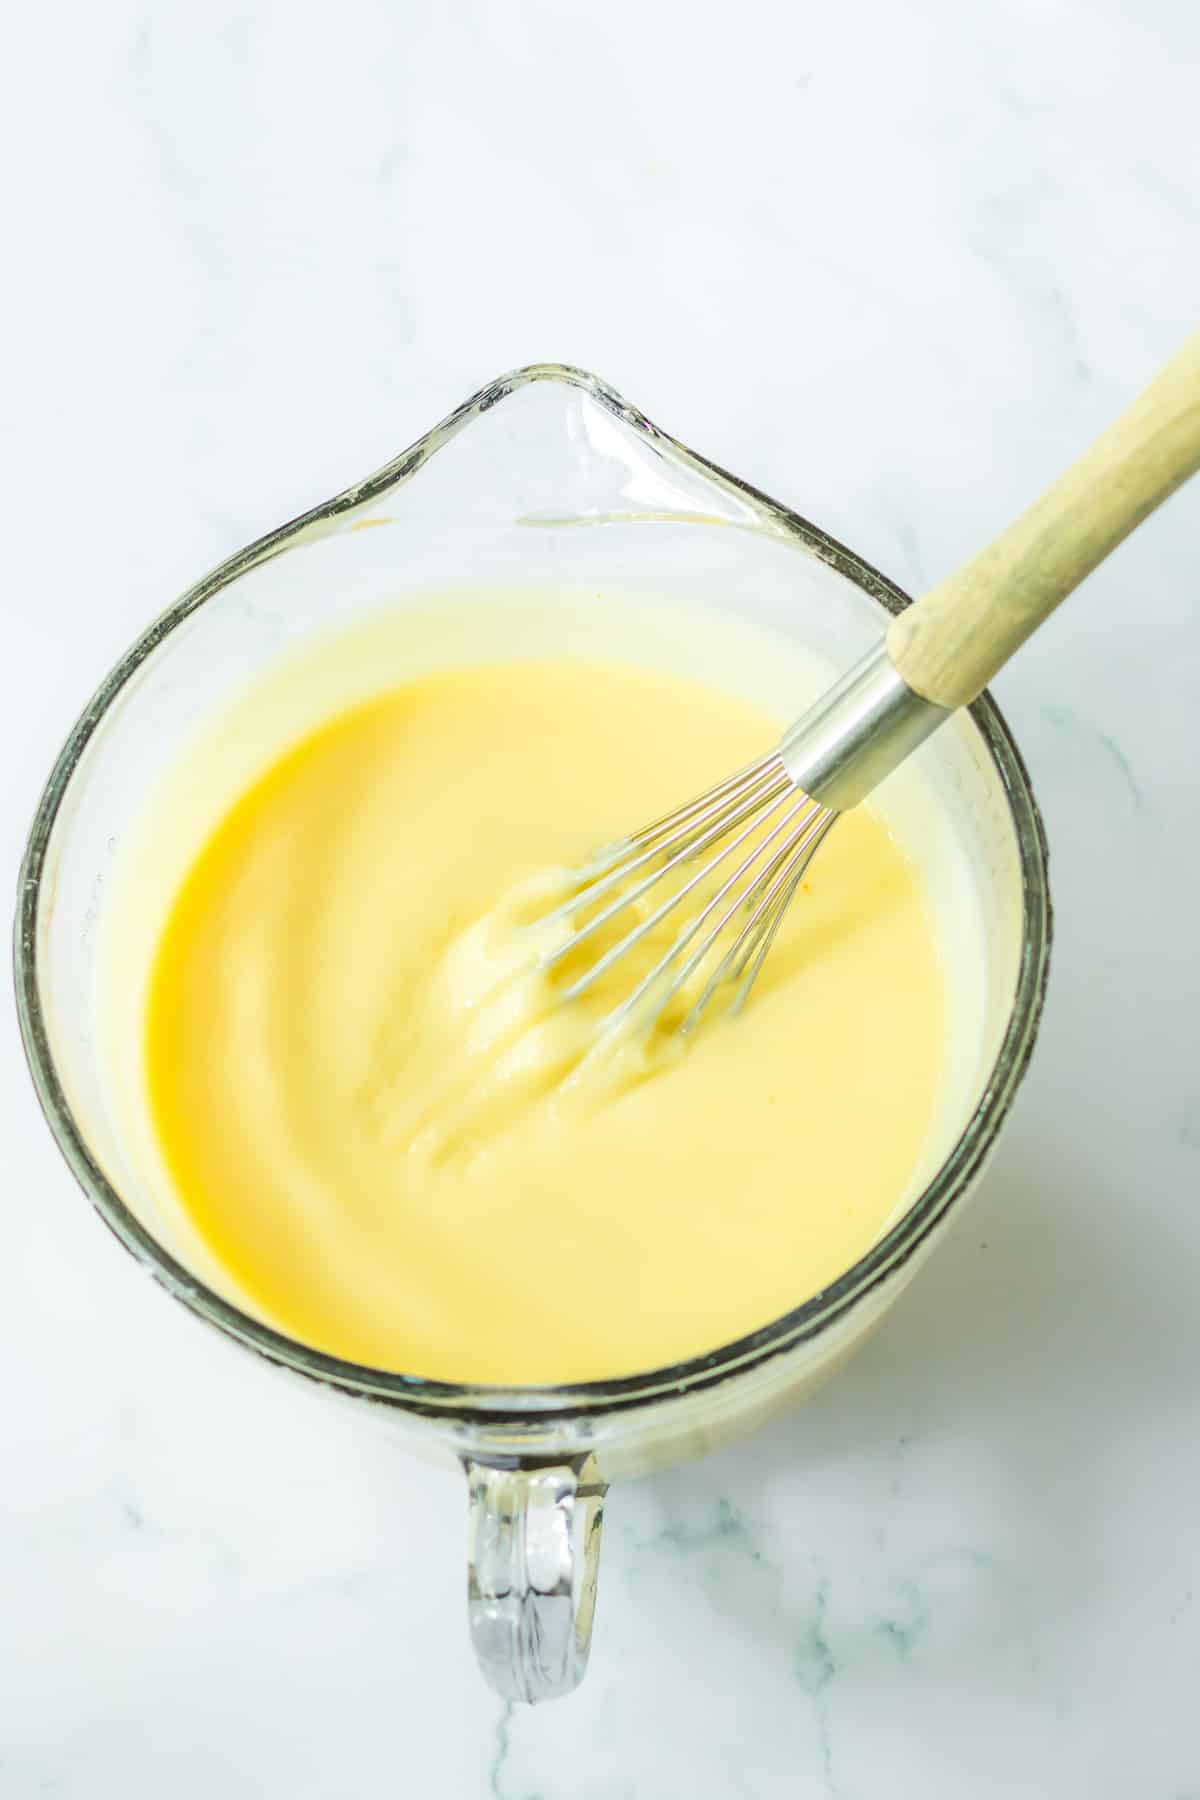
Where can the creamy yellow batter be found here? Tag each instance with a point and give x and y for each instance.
(369, 1127)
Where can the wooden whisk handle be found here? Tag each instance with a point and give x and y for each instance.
(953, 640)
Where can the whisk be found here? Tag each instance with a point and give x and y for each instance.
(725, 866)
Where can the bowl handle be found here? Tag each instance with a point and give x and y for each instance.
(531, 1579)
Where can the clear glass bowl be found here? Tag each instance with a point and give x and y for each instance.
(545, 480)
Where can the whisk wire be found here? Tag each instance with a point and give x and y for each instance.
(672, 900)
(767, 795)
(801, 804)
(724, 792)
(753, 942)
(664, 964)
(619, 861)
(758, 806)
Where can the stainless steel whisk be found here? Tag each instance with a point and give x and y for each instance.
(757, 831)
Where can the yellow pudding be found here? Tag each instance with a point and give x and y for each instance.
(389, 1165)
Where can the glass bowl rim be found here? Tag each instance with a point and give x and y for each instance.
(540, 1405)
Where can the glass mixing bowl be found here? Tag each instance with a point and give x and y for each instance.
(545, 481)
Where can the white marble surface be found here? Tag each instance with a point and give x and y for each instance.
(894, 265)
